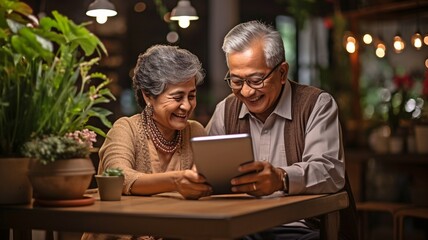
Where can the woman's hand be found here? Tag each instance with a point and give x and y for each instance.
(191, 185)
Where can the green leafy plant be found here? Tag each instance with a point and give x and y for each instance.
(113, 172)
(46, 84)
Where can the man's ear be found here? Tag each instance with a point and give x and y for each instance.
(284, 71)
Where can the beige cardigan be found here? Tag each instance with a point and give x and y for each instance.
(126, 146)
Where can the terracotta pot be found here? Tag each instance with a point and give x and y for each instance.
(110, 187)
(15, 188)
(61, 180)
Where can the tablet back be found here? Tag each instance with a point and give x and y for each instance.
(218, 157)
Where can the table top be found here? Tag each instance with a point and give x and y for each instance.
(169, 215)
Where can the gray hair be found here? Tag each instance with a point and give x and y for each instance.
(162, 65)
(243, 35)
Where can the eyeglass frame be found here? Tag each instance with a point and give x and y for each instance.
(249, 83)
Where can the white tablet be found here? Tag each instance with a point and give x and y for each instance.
(218, 157)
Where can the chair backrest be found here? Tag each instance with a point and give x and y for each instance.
(348, 229)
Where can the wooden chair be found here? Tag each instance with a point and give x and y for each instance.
(400, 215)
(364, 208)
(348, 218)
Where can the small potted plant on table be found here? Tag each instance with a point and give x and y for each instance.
(110, 184)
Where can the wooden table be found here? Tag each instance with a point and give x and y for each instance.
(168, 215)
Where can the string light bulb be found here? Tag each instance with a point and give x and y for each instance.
(367, 38)
(398, 44)
(417, 40)
(380, 49)
(350, 42)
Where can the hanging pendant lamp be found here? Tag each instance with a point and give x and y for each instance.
(184, 13)
(101, 10)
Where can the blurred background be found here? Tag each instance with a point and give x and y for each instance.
(371, 55)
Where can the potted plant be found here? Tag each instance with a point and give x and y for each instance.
(63, 170)
(113, 172)
(110, 184)
(47, 87)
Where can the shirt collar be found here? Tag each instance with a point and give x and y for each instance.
(283, 109)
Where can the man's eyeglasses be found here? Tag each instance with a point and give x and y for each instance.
(236, 83)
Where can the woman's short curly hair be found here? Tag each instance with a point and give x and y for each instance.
(162, 65)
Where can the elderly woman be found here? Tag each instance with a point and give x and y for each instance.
(153, 148)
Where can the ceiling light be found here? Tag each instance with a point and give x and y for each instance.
(101, 10)
(417, 40)
(367, 38)
(380, 50)
(350, 42)
(184, 13)
(398, 44)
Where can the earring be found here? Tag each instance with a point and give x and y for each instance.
(149, 110)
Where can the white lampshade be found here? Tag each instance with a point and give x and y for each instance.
(101, 10)
(184, 13)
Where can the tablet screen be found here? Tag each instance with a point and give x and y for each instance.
(218, 157)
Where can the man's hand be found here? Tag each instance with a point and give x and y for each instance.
(260, 178)
(191, 185)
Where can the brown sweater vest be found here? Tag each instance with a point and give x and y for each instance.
(303, 101)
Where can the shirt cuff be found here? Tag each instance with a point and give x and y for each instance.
(295, 181)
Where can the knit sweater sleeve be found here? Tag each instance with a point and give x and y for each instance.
(119, 150)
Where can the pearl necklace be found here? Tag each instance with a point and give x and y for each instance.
(153, 132)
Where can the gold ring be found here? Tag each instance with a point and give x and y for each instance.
(254, 186)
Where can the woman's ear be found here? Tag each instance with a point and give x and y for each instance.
(147, 98)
